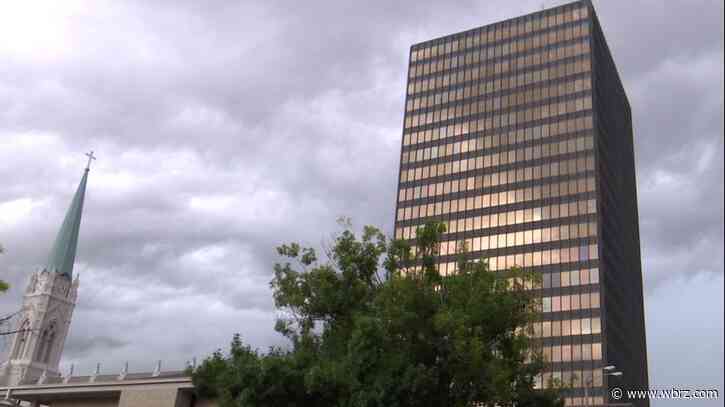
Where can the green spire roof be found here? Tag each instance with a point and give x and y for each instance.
(63, 255)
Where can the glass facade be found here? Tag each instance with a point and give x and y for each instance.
(500, 143)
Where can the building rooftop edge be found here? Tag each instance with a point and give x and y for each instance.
(460, 33)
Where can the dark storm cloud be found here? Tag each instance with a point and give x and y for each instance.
(226, 128)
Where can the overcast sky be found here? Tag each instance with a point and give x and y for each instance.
(225, 128)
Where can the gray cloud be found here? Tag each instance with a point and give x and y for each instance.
(82, 346)
(227, 129)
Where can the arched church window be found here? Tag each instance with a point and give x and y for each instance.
(41, 346)
(50, 341)
(45, 344)
(22, 341)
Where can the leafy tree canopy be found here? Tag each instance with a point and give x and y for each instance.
(3, 285)
(376, 325)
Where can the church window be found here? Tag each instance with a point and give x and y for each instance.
(41, 346)
(50, 339)
(21, 345)
(45, 344)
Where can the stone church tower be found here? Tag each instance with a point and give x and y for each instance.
(48, 305)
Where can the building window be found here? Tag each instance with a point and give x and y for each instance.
(22, 341)
(45, 344)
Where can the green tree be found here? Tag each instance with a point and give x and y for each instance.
(4, 318)
(3, 285)
(376, 325)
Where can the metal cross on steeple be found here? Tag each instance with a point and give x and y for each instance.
(90, 158)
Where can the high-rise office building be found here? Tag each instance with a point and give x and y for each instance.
(518, 136)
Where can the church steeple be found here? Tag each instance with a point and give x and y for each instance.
(48, 303)
(63, 254)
